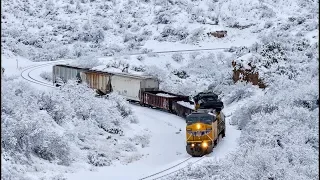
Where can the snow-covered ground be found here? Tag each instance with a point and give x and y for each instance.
(167, 140)
(279, 126)
(166, 146)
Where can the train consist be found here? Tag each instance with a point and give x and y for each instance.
(205, 124)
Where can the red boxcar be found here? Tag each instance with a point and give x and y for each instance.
(161, 99)
(180, 110)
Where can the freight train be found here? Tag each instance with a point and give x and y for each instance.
(205, 122)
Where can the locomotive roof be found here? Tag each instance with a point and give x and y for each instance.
(204, 111)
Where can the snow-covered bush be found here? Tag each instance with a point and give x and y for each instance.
(177, 57)
(195, 36)
(140, 57)
(193, 55)
(138, 68)
(62, 127)
(80, 49)
(142, 140)
(46, 75)
(181, 74)
(198, 15)
(163, 17)
(99, 159)
(89, 61)
(170, 33)
(240, 91)
(156, 72)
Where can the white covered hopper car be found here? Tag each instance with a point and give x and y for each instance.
(131, 86)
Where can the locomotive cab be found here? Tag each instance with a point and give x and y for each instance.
(200, 133)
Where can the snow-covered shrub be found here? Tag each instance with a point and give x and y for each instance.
(163, 17)
(240, 91)
(89, 61)
(46, 75)
(121, 105)
(80, 49)
(177, 57)
(156, 72)
(195, 36)
(99, 159)
(61, 127)
(194, 55)
(140, 57)
(170, 33)
(145, 50)
(142, 140)
(198, 16)
(27, 129)
(132, 158)
(138, 68)
(181, 74)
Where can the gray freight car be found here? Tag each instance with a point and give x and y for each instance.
(63, 73)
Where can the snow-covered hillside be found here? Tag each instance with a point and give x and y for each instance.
(279, 138)
(48, 30)
(44, 133)
(279, 124)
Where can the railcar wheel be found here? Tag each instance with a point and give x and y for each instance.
(215, 142)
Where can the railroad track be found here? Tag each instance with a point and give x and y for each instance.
(25, 74)
(173, 169)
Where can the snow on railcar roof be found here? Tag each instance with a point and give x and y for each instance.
(186, 104)
(130, 75)
(71, 66)
(107, 71)
(165, 95)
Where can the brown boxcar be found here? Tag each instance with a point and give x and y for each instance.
(100, 81)
(161, 99)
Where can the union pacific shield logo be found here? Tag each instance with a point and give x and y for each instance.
(198, 133)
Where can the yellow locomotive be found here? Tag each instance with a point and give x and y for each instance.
(204, 129)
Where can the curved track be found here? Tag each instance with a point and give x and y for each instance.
(25, 74)
(173, 169)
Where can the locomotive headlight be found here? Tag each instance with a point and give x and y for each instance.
(198, 126)
(192, 145)
(204, 144)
